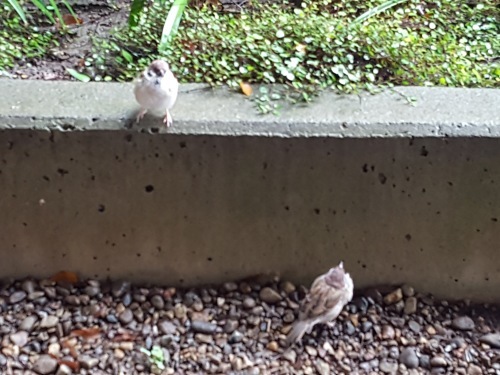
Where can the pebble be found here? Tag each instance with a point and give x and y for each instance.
(414, 326)
(388, 332)
(393, 297)
(249, 303)
(17, 297)
(19, 338)
(230, 286)
(287, 287)
(438, 361)
(158, 302)
(474, 370)
(64, 370)
(28, 286)
(409, 358)
(388, 366)
(269, 295)
(45, 364)
(167, 327)
(273, 346)
(463, 323)
(410, 306)
(87, 362)
(491, 339)
(126, 316)
(230, 330)
(408, 291)
(49, 321)
(203, 327)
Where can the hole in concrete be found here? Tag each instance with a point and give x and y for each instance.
(63, 255)
(363, 265)
(25, 224)
(182, 144)
(317, 211)
(138, 255)
(264, 165)
(181, 281)
(382, 178)
(94, 257)
(149, 188)
(101, 208)
(92, 178)
(158, 248)
(287, 208)
(365, 168)
(124, 235)
(209, 259)
(450, 183)
(494, 219)
(408, 237)
(62, 171)
(423, 151)
(128, 137)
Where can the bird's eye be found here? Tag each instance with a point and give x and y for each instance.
(149, 74)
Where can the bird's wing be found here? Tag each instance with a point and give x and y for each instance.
(319, 301)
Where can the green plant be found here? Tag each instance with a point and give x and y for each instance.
(376, 10)
(20, 42)
(155, 356)
(172, 20)
(49, 10)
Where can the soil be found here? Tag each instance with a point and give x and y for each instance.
(98, 18)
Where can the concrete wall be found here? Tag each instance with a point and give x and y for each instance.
(186, 209)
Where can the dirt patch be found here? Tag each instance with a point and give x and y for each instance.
(98, 20)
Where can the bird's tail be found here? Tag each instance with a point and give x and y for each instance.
(296, 333)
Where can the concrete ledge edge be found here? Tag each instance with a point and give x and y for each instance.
(74, 106)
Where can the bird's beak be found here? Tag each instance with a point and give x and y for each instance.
(341, 264)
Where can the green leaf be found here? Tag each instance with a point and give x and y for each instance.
(135, 12)
(172, 23)
(127, 56)
(57, 12)
(41, 6)
(19, 10)
(77, 75)
(378, 9)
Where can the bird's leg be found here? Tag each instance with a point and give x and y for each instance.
(140, 115)
(167, 120)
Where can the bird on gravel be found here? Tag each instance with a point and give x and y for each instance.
(156, 90)
(327, 297)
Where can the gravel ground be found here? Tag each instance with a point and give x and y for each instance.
(92, 327)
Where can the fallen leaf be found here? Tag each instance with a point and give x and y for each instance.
(73, 365)
(71, 347)
(65, 276)
(69, 19)
(86, 333)
(126, 336)
(246, 88)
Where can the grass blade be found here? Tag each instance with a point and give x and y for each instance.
(172, 23)
(378, 9)
(77, 75)
(135, 11)
(57, 12)
(41, 6)
(19, 10)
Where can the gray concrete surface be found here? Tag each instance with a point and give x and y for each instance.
(411, 197)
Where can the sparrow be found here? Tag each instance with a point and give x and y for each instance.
(156, 89)
(327, 297)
